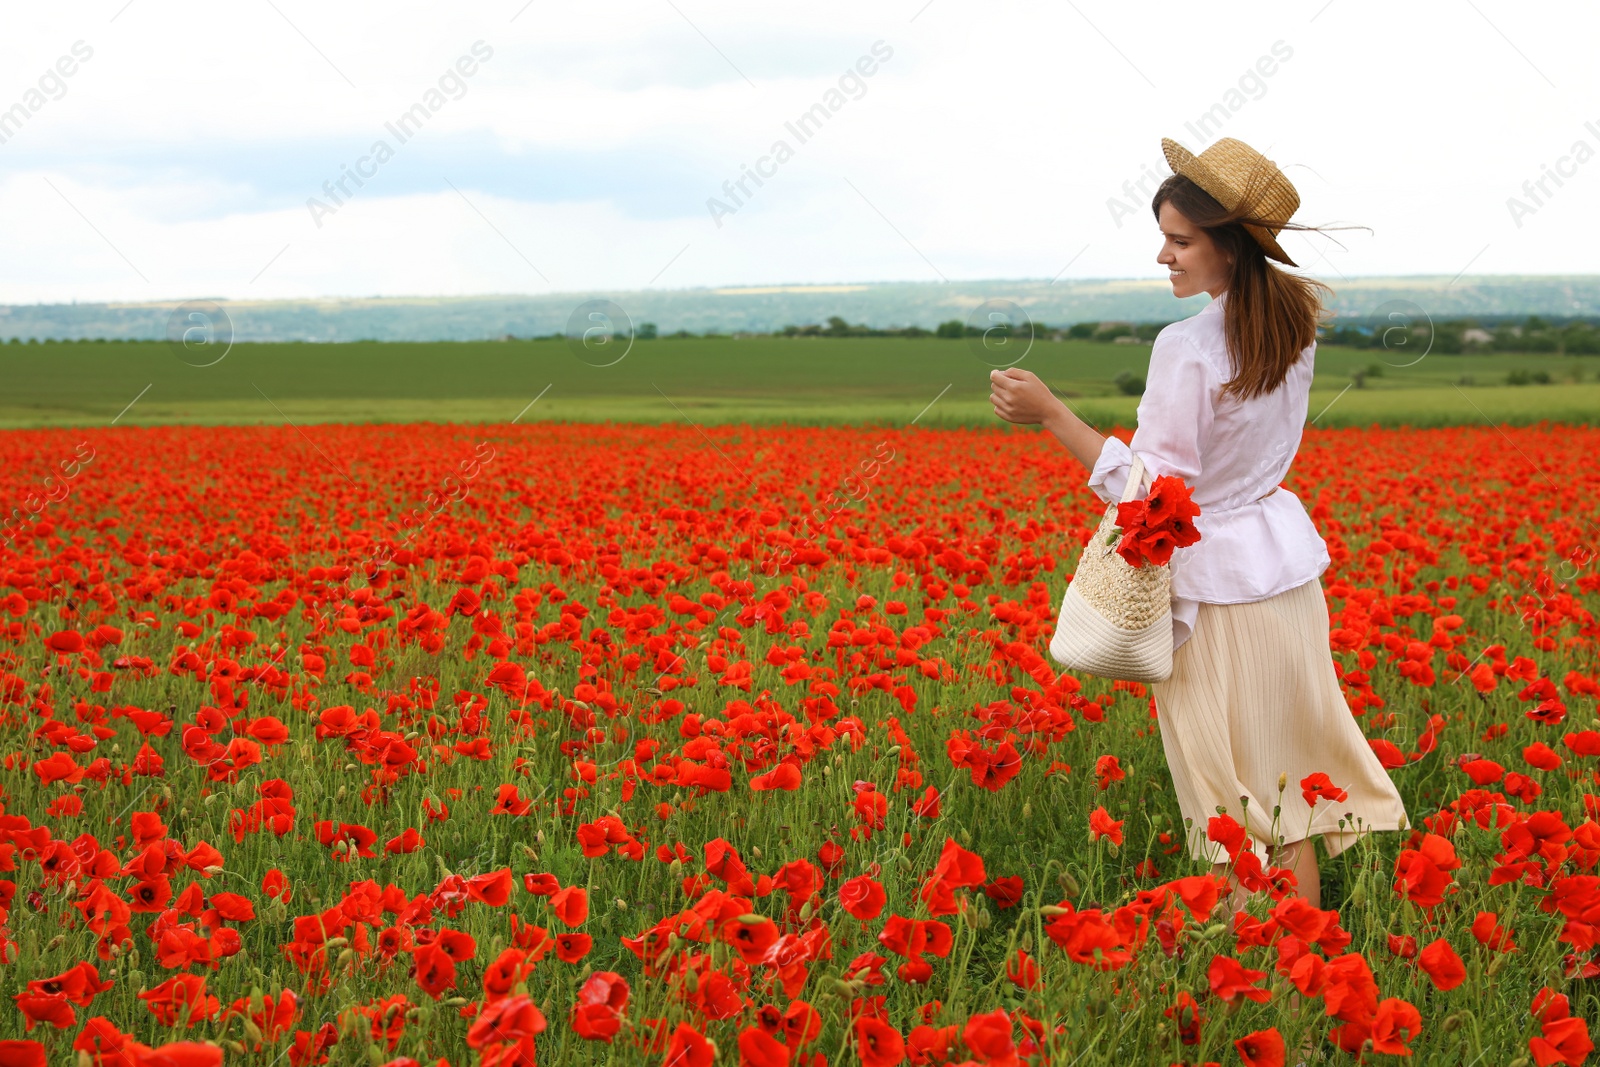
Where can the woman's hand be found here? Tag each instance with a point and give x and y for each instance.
(1019, 396)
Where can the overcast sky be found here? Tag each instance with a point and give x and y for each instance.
(178, 156)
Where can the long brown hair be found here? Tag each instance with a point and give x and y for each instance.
(1271, 316)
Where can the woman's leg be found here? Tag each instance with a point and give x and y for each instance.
(1237, 896)
(1299, 857)
(1302, 860)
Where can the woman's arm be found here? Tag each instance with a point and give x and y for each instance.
(1019, 396)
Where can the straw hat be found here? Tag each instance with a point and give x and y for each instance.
(1225, 170)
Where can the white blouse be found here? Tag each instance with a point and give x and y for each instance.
(1256, 539)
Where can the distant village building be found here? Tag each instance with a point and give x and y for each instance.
(1476, 336)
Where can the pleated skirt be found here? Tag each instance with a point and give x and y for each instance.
(1253, 696)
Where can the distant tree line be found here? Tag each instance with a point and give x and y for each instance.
(1576, 337)
(1535, 334)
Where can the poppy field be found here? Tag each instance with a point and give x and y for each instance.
(685, 745)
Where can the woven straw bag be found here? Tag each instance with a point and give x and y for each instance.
(1116, 619)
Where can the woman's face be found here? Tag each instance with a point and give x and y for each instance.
(1194, 262)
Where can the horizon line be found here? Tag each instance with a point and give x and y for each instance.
(738, 289)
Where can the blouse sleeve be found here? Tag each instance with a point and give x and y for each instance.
(1174, 416)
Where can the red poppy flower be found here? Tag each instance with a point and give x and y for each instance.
(1565, 1040)
(182, 1054)
(570, 948)
(541, 885)
(54, 1009)
(1186, 1013)
(181, 1000)
(1101, 824)
(571, 905)
(1395, 1025)
(862, 897)
(65, 642)
(22, 1054)
(1440, 962)
(1022, 970)
(1263, 1048)
(80, 984)
(601, 1006)
(456, 944)
(493, 889)
(1006, 892)
(1231, 980)
(1318, 786)
(928, 806)
(435, 970)
(989, 1037)
(877, 1043)
(510, 1020)
(1487, 929)
(688, 1048)
(758, 1048)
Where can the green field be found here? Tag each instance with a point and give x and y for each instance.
(712, 380)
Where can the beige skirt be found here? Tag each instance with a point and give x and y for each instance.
(1253, 695)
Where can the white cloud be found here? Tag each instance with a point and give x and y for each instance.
(988, 145)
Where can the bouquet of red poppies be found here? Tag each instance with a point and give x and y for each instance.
(1148, 530)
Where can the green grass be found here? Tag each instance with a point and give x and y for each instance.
(713, 380)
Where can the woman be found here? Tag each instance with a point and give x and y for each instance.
(1253, 706)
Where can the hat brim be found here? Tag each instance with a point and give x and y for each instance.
(1269, 245)
(1182, 161)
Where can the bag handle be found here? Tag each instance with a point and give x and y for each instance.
(1135, 478)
